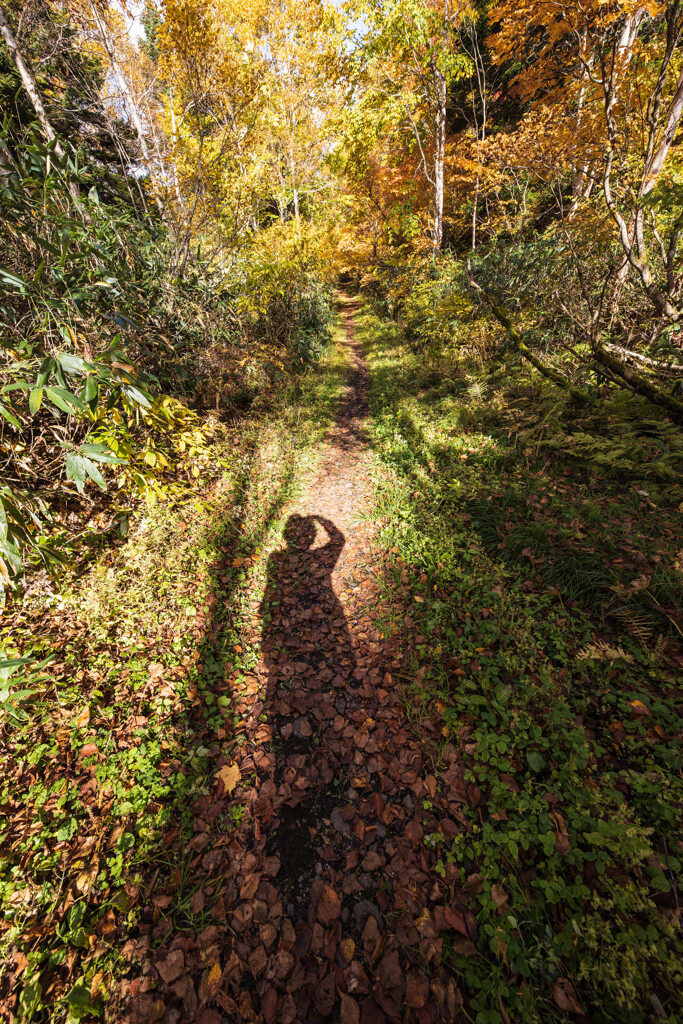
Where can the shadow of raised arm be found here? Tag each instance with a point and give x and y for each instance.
(333, 549)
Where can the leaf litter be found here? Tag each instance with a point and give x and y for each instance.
(317, 894)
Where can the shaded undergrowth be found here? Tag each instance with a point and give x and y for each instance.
(542, 552)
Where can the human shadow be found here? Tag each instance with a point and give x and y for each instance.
(309, 657)
(306, 639)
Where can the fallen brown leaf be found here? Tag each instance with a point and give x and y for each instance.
(350, 1010)
(229, 776)
(564, 996)
(172, 967)
(214, 980)
(329, 907)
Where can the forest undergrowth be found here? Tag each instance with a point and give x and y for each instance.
(131, 705)
(543, 621)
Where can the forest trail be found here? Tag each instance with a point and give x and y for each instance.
(316, 897)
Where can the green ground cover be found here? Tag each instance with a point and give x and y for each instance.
(542, 550)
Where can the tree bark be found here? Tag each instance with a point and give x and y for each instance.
(503, 317)
(640, 384)
(659, 368)
(127, 93)
(30, 85)
(439, 156)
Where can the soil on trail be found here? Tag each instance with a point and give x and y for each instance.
(323, 903)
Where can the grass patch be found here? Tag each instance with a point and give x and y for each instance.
(546, 611)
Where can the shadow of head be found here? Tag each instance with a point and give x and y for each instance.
(300, 533)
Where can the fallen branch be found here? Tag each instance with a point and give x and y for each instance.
(656, 365)
(503, 317)
(641, 385)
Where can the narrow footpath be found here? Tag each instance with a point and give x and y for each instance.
(324, 904)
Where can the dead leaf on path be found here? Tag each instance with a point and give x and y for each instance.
(474, 884)
(242, 916)
(258, 961)
(564, 996)
(371, 939)
(562, 844)
(271, 866)
(430, 785)
(83, 719)
(214, 980)
(269, 1006)
(172, 967)
(391, 977)
(229, 775)
(417, 991)
(357, 979)
(498, 895)
(561, 836)
(350, 1010)
(346, 951)
(326, 995)
(456, 919)
(86, 879)
(372, 861)
(425, 925)
(197, 902)
(210, 1017)
(249, 886)
(329, 907)
(156, 1012)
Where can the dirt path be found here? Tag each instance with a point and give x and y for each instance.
(324, 902)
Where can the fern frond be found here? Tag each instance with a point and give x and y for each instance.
(600, 650)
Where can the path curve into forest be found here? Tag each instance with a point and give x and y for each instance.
(327, 902)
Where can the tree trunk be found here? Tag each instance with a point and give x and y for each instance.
(127, 93)
(176, 184)
(474, 215)
(657, 366)
(33, 92)
(439, 157)
(639, 384)
(503, 317)
(656, 152)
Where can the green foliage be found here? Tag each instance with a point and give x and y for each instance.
(65, 275)
(88, 306)
(19, 687)
(519, 551)
(286, 306)
(430, 307)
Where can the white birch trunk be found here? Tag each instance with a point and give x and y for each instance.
(33, 92)
(439, 157)
(127, 94)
